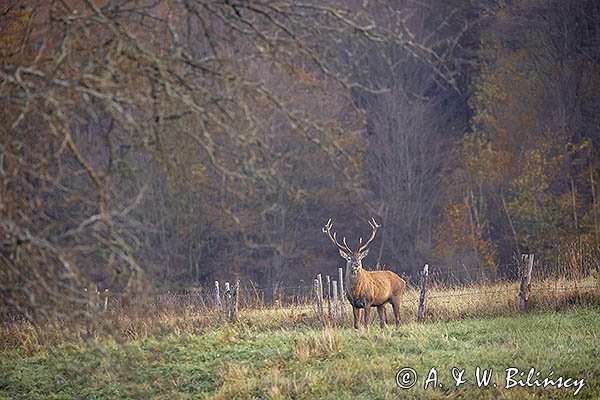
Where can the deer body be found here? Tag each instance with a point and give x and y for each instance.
(366, 289)
(373, 287)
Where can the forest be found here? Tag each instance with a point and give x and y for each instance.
(166, 144)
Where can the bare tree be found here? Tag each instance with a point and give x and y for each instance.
(168, 131)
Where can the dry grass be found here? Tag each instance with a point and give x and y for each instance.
(500, 298)
(172, 350)
(323, 344)
(496, 299)
(188, 318)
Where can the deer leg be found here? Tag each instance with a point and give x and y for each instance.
(396, 307)
(367, 315)
(382, 316)
(356, 316)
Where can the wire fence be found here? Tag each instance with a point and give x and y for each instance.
(443, 285)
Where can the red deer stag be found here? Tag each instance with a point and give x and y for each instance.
(366, 289)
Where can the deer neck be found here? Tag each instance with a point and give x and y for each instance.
(353, 278)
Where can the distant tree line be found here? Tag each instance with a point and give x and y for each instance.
(169, 143)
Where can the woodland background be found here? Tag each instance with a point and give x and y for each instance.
(170, 143)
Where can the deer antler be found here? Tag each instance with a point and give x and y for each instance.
(374, 227)
(327, 230)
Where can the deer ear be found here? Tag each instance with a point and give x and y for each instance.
(364, 254)
(344, 255)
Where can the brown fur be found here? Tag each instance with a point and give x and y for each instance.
(366, 289)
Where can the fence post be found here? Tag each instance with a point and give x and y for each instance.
(320, 295)
(227, 296)
(328, 281)
(97, 297)
(335, 300)
(529, 271)
(105, 300)
(236, 295)
(424, 276)
(318, 305)
(217, 296)
(342, 295)
(276, 293)
(522, 280)
(525, 286)
(316, 293)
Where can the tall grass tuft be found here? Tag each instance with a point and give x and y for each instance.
(183, 315)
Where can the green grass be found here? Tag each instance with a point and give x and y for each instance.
(269, 360)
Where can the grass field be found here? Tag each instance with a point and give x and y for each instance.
(261, 356)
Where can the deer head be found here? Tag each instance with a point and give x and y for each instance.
(353, 258)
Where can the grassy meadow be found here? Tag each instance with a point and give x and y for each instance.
(286, 352)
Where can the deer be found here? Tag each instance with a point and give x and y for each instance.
(366, 289)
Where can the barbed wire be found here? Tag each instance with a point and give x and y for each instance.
(308, 292)
(470, 293)
(304, 293)
(465, 294)
(565, 288)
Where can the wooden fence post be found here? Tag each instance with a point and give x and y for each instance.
(87, 303)
(236, 295)
(342, 295)
(525, 286)
(97, 297)
(276, 293)
(529, 269)
(320, 295)
(105, 300)
(328, 281)
(424, 276)
(217, 296)
(318, 299)
(316, 294)
(227, 298)
(335, 300)
(522, 281)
